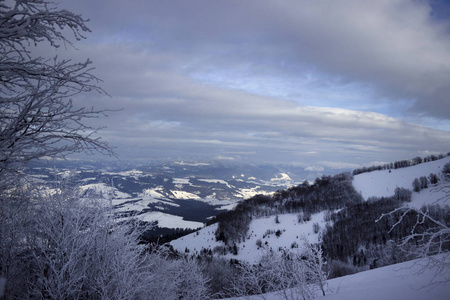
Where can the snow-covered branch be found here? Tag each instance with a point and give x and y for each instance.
(37, 115)
(429, 238)
(294, 275)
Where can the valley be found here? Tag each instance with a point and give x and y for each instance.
(171, 196)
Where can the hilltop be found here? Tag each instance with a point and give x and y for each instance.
(382, 183)
(278, 231)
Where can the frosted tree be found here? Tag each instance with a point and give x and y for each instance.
(37, 115)
(429, 238)
(315, 264)
(16, 235)
(78, 250)
(56, 245)
(294, 275)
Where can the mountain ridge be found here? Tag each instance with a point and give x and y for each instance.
(281, 231)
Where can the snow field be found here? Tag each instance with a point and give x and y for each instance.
(439, 194)
(383, 183)
(404, 281)
(169, 221)
(263, 229)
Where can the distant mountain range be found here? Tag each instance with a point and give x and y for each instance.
(170, 195)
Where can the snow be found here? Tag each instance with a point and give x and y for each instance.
(104, 190)
(204, 238)
(131, 173)
(406, 280)
(89, 179)
(184, 195)
(228, 207)
(153, 193)
(383, 183)
(181, 163)
(181, 181)
(168, 221)
(216, 181)
(291, 231)
(438, 194)
(283, 177)
(138, 204)
(248, 193)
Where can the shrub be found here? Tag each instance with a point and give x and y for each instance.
(446, 169)
(339, 269)
(316, 227)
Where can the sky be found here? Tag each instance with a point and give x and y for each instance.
(319, 84)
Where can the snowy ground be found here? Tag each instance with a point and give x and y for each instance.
(383, 183)
(439, 194)
(404, 281)
(263, 229)
(169, 221)
(377, 183)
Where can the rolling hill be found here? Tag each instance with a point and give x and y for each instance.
(262, 232)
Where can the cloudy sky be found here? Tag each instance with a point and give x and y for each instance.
(318, 83)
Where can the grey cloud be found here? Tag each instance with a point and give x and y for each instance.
(148, 52)
(165, 108)
(394, 46)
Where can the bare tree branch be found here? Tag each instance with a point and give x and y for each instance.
(37, 115)
(429, 239)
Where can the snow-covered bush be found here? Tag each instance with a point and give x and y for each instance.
(429, 238)
(338, 268)
(75, 249)
(296, 274)
(446, 169)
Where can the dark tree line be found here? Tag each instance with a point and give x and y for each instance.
(359, 236)
(356, 236)
(400, 164)
(326, 193)
(423, 182)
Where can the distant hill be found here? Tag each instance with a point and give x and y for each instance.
(384, 182)
(347, 228)
(173, 196)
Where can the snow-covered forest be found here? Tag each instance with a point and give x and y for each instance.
(53, 244)
(296, 243)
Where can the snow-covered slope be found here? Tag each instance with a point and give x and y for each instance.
(383, 183)
(377, 183)
(168, 221)
(439, 194)
(263, 229)
(396, 282)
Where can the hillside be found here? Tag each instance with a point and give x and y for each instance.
(262, 231)
(401, 281)
(383, 183)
